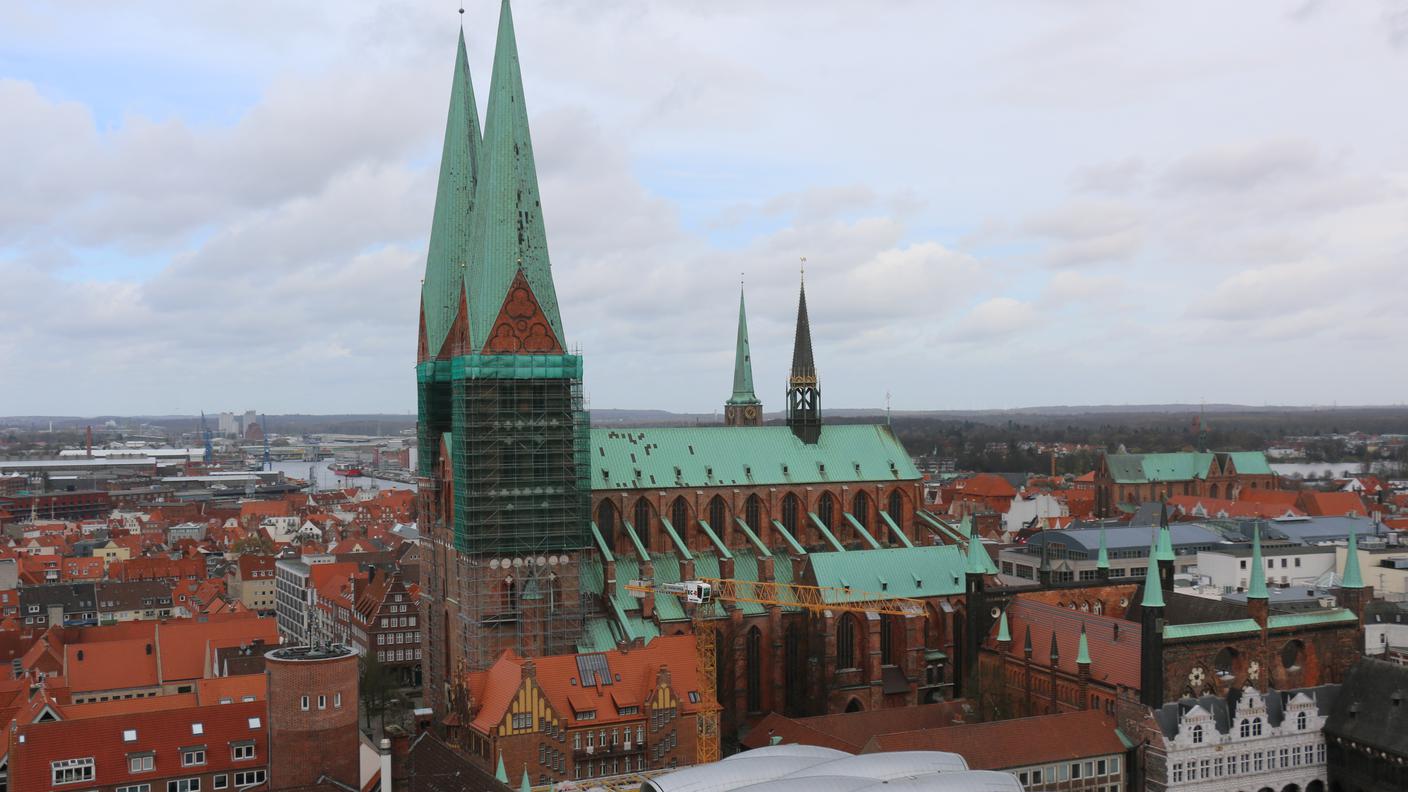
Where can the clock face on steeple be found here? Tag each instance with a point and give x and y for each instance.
(750, 412)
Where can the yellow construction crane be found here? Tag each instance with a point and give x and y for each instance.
(788, 595)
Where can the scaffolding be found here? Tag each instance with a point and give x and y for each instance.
(522, 502)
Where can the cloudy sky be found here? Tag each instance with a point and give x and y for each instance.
(225, 205)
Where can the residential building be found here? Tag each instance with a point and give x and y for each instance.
(120, 601)
(62, 604)
(250, 579)
(213, 747)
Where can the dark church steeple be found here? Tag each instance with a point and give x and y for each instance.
(803, 392)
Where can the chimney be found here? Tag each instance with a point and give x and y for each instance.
(385, 755)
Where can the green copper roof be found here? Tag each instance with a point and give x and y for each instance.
(1352, 579)
(1205, 629)
(1083, 652)
(1003, 633)
(499, 773)
(1103, 559)
(742, 362)
(1311, 618)
(728, 456)
(1257, 588)
(1180, 466)
(1153, 590)
(524, 786)
(932, 571)
(454, 208)
(1250, 463)
(508, 217)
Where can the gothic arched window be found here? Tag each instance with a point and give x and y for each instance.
(753, 512)
(826, 510)
(791, 506)
(641, 520)
(753, 661)
(679, 514)
(846, 642)
(896, 508)
(860, 509)
(606, 523)
(718, 515)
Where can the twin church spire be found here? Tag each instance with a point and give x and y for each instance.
(803, 391)
(488, 280)
(488, 286)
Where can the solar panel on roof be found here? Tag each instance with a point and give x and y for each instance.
(593, 670)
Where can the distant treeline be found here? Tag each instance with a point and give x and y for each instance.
(974, 442)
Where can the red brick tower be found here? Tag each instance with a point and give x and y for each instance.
(312, 715)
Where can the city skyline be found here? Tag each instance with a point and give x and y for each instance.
(1003, 204)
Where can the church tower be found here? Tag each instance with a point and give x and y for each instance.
(803, 393)
(443, 333)
(743, 408)
(511, 520)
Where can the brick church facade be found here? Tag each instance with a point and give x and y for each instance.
(534, 521)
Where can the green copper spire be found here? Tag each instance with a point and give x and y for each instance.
(1153, 592)
(499, 773)
(1083, 653)
(1165, 537)
(524, 786)
(1257, 589)
(975, 562)
(508, 218)
(742, 361)
(454, 209)
(1103, 559)
(1003, 634)
(1351, 577)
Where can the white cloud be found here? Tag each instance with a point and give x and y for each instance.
(1173, 192)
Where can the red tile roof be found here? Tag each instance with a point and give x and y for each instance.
(999, 745)
(849, 731)
(1113, 661)
(165, 732)
(112, 665)
(1278, 497)
(558, 677)
(1332, 504)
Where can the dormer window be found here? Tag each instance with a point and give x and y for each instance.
(1198, 734)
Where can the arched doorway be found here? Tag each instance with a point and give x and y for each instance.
(854, 705)
(1315, 786)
